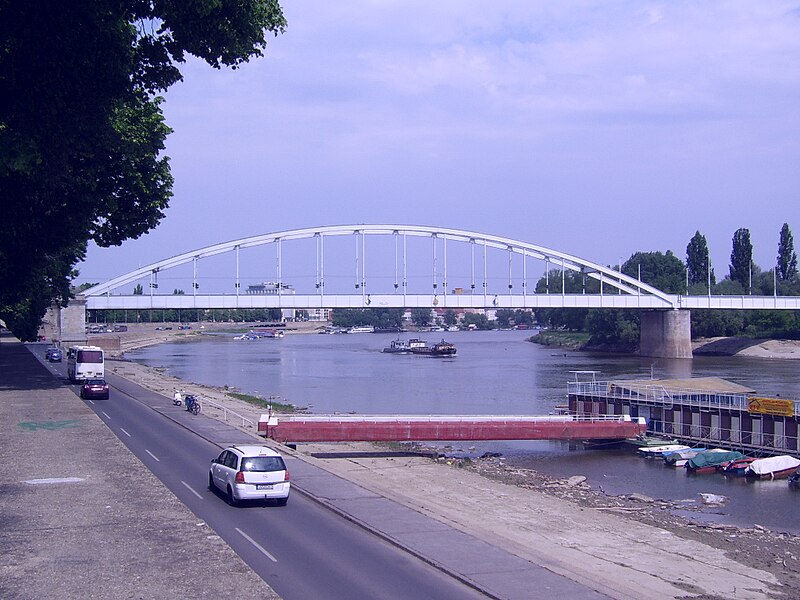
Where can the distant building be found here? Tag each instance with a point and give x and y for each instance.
(270, 288)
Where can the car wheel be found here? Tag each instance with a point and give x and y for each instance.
(211, 485)
(82, 394)
(231, 499)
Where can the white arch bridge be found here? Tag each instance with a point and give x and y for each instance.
(392, 266)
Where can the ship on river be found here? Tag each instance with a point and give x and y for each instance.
(420, 347)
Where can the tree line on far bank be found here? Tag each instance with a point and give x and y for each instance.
(619, 328)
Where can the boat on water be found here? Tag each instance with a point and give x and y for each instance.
(439, 349)
(794, 478)
(398, 347)
(707, 461)
(679, 458)
(736, 468)
(257, 334)
(644, 441)
(772, 467)
(361, 329)
(659, 451)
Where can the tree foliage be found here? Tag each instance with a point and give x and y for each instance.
(698, 263)
(787, 258)
(741, 267)
(81, 127)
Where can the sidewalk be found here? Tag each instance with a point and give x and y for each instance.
(80, 517)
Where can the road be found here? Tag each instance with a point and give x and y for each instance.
(302, 550)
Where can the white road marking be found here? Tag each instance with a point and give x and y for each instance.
(125, 432)
(106, 414)
(90, 401)
(257, 545)
(153, 455)
(188, 487)
(55, 480)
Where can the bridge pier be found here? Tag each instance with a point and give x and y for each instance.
(666, 334)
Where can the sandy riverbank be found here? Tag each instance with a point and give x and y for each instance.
(624, 546)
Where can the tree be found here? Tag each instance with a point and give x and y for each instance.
(450, 318)
(741, 268)
(697, 262)
(421, 317)
(138, 290)
(81, 128)
(664, 271)
(787, 258)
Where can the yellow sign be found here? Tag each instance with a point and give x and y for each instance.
(771, 406)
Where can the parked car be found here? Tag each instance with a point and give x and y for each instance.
(250, 473)
(95, 389)
(54, 354)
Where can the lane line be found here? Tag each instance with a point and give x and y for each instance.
(90, 401)
(107, 415)
(153, 455)
(191, 489)
(257, 545)
(125, 432)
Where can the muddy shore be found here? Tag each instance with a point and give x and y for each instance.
(772, 557)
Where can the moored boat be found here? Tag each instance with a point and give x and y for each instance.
(773, 467)
(659, 451)
(678, 458)
(738, 467)
(707, 461)
(644, 441)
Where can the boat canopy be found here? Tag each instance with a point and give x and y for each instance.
(712, 457)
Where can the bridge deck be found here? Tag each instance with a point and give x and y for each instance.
(387, 428)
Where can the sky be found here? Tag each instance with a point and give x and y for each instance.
(595, 128)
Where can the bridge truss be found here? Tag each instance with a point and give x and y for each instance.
(617, 290)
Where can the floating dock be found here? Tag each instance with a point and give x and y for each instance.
(406, 428)
(699, 411)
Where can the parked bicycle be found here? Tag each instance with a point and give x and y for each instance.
(192, 404)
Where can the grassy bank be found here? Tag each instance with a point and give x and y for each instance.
(262, 403)
(572, 340)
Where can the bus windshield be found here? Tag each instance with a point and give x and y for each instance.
(90, 356)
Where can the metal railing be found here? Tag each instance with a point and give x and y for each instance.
(753, 442)
(658, 395)
(227, 411)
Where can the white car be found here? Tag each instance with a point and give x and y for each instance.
(250, 473)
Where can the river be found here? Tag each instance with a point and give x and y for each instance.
(495, 372)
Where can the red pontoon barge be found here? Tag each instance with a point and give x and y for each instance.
(395, 428)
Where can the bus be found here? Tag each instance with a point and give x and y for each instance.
(85, 362)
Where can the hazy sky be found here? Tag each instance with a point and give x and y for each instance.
(595, 128)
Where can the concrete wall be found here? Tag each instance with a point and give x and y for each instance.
(666, 334)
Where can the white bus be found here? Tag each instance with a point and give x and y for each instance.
(85, 362)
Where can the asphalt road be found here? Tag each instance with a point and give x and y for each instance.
(302, 550)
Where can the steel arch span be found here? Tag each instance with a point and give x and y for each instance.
(631, 292)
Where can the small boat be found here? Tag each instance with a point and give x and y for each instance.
(644, 441)
(794, 478)
(679, 458)
(707, 461)
(440, 349)
(773, 467)
(397, 347)
(736, 468)
(659, 451)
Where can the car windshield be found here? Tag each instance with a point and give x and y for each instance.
(263, 463)
(95, 382)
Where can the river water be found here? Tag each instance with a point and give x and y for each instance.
(495, 372)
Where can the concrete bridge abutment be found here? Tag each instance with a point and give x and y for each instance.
(666, 334)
